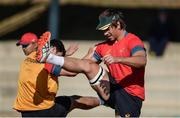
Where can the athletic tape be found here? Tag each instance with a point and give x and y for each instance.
(96, 80)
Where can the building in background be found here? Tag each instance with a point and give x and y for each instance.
(77, 18)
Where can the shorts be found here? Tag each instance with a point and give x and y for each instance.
(60, 109)
(125, 104)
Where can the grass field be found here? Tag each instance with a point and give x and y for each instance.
(162, 82)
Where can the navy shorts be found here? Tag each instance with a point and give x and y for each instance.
(125, 104)
(60, 109)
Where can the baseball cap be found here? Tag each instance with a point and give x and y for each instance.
(27, 38)
(105, 22)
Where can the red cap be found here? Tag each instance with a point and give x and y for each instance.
(27, 38)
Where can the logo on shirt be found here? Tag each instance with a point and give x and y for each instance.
(122, 50)
(127, 115)
(30, 60)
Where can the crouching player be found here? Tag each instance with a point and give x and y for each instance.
(38, 83)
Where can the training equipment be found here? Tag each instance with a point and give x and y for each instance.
(54, 59)
(43, 47)
(96, 80)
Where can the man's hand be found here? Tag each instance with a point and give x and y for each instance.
(105, 86)
(72, 49)
(109, 59)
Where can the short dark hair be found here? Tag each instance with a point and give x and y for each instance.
(59, 46)
(116, 15)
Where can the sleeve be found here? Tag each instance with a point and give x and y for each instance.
(53, 69)
(97, 54)
(135, 44)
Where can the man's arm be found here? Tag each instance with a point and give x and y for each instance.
(137, 60)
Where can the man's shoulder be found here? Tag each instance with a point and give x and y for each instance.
(104, 44)
(132, 36)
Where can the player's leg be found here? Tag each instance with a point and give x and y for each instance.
(57, 110)
(126, 105)
(77, 102)
(96, 75)
(84, 102)
(63, 105)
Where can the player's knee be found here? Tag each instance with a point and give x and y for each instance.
(98, 77)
